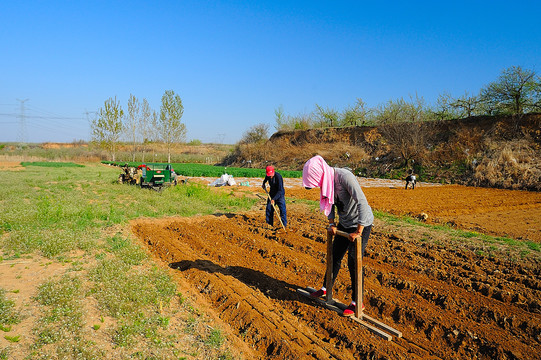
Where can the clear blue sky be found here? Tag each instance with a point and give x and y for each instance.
(234, 62)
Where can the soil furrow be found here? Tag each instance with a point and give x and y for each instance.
(449, 302)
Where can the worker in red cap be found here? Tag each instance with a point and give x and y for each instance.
(276, 194)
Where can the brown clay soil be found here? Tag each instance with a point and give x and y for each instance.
(449, 301)
(10, 165)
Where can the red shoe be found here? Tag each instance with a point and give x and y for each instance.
(350, 310)
(318, 293)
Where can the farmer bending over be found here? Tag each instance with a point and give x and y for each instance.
(277, 196)
(341, 191)
(411, 179)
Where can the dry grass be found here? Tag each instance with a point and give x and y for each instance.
(285, 155)
(510, 165)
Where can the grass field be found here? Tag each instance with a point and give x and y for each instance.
(55, 213)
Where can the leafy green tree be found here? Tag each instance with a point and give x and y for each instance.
(443, 110)
(516, 91)
(325, 117)
(301, 121)
(280, 118)
(107, 127)
(171, 129)
(467, 105)
(288, 122)
(355, 115)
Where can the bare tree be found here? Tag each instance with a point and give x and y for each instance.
(256, 134)
(144, 127)
(154, 131)
(402, 126)
(170, 127)
(107, 127)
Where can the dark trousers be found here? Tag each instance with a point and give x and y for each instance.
(339, 247)
(269, 212)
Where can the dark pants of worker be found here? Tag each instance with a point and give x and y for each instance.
(339, 247)
(269, 213)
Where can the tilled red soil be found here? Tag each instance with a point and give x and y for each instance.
(449, 302)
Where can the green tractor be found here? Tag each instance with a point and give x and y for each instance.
(155, 175)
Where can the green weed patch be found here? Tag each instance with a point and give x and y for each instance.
(55, 164)
(8, 315)
(205, 170)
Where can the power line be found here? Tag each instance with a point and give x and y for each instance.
(51, 115)
(52, 120)
(22, 124)
(43, 124)
(32, 118)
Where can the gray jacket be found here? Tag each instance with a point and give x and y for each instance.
(350, 201)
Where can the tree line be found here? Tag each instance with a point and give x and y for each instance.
(406, 125)
(140, 126)
(516, 91)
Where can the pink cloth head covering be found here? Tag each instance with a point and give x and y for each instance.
(317, 173)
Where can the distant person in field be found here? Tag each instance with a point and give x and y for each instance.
(341, 192)
(411, 179)
(276, 194)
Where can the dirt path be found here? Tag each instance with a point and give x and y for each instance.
(449, 302)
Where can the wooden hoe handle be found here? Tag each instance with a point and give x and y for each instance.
(358, 274)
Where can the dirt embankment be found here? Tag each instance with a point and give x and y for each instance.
(489, 151)
(449, 302)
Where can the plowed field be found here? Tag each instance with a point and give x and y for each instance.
(449, 300)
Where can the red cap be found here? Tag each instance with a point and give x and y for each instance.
(270, 170)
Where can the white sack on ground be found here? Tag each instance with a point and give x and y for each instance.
(225, 179)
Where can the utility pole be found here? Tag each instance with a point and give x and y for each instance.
(22, 123)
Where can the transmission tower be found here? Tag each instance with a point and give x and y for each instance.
(22, 123)
(221, 138)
